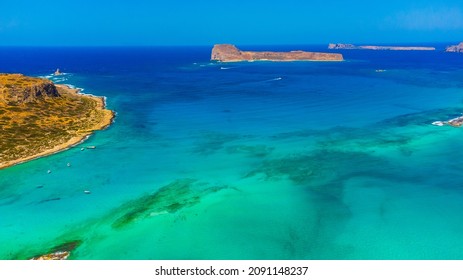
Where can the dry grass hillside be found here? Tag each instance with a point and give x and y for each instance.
(37, 117)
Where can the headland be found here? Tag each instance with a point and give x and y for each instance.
(378, 48)
(455, 122)
(230, 53)
(39, 118)
(455, 48)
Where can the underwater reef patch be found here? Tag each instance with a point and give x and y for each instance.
(168, 199)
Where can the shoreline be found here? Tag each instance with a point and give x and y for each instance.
(230, 53)
(272, 60)
(339, 46)
(76, 140)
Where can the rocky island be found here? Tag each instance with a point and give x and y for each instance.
(378, 48)
(455, 48)
(38, 118)
(230, 53)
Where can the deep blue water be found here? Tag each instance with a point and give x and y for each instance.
(262, 160)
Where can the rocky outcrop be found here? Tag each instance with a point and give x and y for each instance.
(455, 122)
(19, 89)
(60, 252)
(332, 46)
(455, 48)
(378, 48)
(230, 53)
(60, 255)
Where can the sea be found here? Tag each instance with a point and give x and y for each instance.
(247, 160)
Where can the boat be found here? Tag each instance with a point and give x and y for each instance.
(438, 123)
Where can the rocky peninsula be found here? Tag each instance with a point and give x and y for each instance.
(230, 53)
(378, 48)
(455, 48)
(455, 122)
(38, 118)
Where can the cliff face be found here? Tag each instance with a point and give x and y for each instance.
(230, 53)
(226, 52)
(17, 88)
(455, 48)
(378, 48)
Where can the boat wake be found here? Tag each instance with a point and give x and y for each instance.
(274, 79)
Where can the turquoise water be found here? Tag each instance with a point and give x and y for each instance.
(246, 160)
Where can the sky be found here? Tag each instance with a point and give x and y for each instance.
(206, 22)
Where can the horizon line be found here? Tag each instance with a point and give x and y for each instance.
(210, 45)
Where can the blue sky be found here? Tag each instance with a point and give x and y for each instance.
(182, 22)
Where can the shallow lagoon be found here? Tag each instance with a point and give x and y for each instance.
(246, 160)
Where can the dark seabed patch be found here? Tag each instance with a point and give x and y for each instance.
(250, 150)
(314, 168)
(210, 142)
(169, 199)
